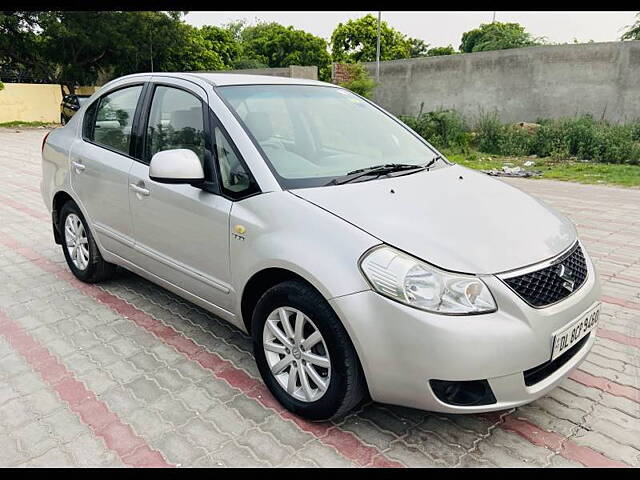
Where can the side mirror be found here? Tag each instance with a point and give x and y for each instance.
(176, 166)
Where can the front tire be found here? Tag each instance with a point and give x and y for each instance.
(79, 247)
(304, 354)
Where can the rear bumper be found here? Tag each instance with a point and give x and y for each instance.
(402, 348)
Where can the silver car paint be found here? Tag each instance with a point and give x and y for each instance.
(279, 234)
(178, 163)
(454, 218)
(400, 348)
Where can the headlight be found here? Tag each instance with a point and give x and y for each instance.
(415, 283)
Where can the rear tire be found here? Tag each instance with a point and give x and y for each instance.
(85, 260)
(343, 380)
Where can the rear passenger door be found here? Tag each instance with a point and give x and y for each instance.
(100, 164)
(181, 231)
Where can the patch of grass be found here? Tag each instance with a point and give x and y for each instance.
(18, 123)
(568, 170)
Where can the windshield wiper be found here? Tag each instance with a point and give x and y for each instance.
(433, 160)
(376, 171)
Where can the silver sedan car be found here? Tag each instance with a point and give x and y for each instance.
(361, 261)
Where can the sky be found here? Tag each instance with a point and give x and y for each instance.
(444, 28)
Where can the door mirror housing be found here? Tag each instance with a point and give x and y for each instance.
(179, 165)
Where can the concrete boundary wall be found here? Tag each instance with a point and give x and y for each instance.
(524, 84)
(33, 102)
(292, 71)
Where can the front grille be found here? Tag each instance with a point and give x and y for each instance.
(553, 283)
(542, 371)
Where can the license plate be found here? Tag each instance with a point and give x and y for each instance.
(569, 336)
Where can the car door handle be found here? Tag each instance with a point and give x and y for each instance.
(138, 189)
(79, 167)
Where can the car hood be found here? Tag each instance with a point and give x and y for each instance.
(453, 217)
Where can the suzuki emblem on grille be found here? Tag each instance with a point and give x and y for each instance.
(565, 274)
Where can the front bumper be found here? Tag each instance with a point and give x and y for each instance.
(402, 348)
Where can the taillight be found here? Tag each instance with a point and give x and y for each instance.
(44, 141)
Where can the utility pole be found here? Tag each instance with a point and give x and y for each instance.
(151, 48)
(378, 50)
(494, 17)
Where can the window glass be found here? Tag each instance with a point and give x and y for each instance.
(175, 121)
(254, 109)
(312, 135)
(114, 119)
(235, 178)
(89, 120)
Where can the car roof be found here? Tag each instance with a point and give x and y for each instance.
(223, 79)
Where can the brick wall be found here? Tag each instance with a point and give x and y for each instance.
(339, 73)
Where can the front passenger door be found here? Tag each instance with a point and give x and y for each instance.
(181, 231)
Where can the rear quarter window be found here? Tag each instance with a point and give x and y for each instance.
(109, 121)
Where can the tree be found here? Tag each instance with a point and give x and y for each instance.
(359, 81)
(235, 28)
(437, 51)
(278, 46)
(418, 48)
(223, 42)
(163, 42)
(243, 63)
(269, 44)
(355, 41)
(496, 36)
(76, 48)
(633, 32)
(20, 52)
(77, 43)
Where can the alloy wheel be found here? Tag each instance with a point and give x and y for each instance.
(76, 240)
(296, 354)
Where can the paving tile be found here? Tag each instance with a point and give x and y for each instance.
(175, 411)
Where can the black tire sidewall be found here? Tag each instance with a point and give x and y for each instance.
(306, 299)
(87, 274)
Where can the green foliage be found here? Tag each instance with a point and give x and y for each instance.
(21, 124)
(246, 63)
(491, 136)
(438, 51)
(496, 36)
(275, 45)
(633, 31)
(360, 81)
(442, 128)
(1, 86)
(76, 48)
(581, 138)
(223, 42)
(355, 41)
(418, 48)
(19, 45)
(81, 48)
(568, 170)
(235, 28)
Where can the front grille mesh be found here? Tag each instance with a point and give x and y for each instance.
(545, 287)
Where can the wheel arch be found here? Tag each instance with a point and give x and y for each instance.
(259, 283)
(268, 277)
(59, 199)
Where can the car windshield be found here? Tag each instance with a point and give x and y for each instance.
(312, 135)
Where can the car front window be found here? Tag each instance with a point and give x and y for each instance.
(311, 135)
